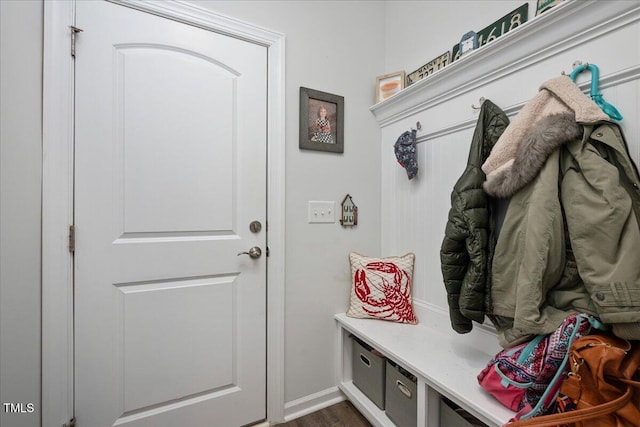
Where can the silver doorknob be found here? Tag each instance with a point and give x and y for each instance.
(254, 252)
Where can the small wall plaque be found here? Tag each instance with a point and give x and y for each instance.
(468, 42)
(349, 212)
(429, 68)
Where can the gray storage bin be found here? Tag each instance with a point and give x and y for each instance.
(368, 372)
(451, 415)
(401, 396)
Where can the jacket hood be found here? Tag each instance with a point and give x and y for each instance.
(546, 122)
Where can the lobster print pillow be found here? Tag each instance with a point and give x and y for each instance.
(382, 288)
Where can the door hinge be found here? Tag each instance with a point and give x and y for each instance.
(72, 239)
(70, 423)
(74, 31)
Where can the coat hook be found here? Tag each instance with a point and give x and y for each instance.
(482, 99)
(575, 65)
(418, 125)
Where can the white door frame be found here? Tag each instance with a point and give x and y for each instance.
(57, 196)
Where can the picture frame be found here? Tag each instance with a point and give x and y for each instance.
(389, 84)
(321, 121)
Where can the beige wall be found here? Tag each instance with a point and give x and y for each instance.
(419, 31)
(20, 176)
(323, 52)
(335, 47)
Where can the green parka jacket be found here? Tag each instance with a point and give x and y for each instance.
(571, 236)
(468, 243)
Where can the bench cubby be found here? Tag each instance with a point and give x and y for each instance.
(443, 363)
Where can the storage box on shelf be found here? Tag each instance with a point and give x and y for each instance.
(444, 364)
(451, 415)
(400, 395)
(368, 372)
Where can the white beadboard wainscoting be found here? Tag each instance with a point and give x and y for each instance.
(509, 72)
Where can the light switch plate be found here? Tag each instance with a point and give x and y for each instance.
(321, 212)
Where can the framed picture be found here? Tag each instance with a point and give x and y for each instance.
(388, 85)
(321, 121)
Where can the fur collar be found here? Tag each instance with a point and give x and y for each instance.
(544, 137)
(546, 122)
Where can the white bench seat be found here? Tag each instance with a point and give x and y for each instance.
(444, 362)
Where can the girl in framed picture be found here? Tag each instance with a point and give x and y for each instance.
(322, 128)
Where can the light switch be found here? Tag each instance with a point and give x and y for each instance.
(321, 212)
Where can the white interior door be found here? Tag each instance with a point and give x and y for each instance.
(170, 170)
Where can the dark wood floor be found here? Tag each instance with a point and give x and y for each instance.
(342, 414)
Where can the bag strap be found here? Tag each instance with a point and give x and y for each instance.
(631, 383)
(575, 416)
(526, 352)
(551, 392)
(506, 381)
(596, 323)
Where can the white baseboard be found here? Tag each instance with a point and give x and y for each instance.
(314, 402)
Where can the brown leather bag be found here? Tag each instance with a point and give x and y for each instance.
(603, 384)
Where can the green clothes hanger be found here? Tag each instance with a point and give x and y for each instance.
(609, 109)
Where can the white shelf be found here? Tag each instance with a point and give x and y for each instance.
(443, 361)
(567, 26)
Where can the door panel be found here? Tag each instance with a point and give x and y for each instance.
(171, 155)
(170, 169)
(211, 303)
